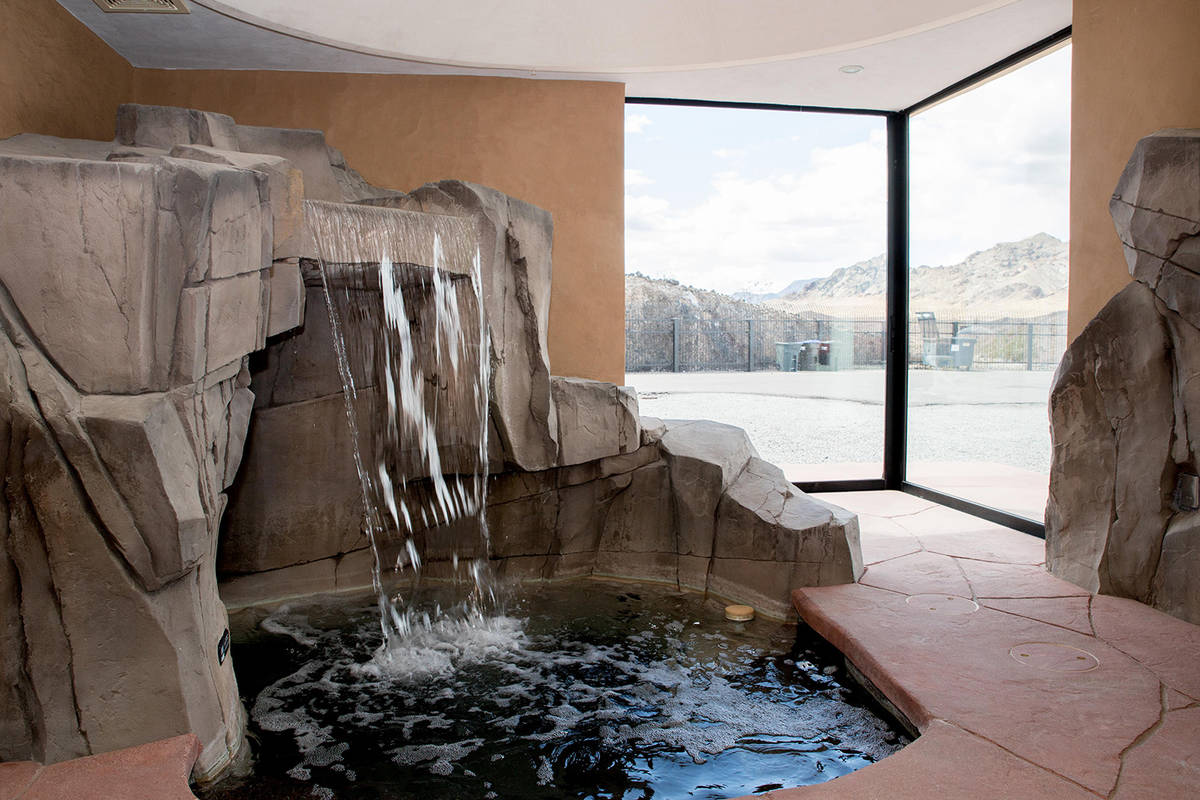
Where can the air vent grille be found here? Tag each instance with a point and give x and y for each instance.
(144, 6)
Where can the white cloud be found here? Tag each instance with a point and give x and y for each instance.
(992, 165)
(636, 123)
(989, 166)
(635, 177)
(728, 153)
(767, 230)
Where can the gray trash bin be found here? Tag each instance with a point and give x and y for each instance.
(787, 355)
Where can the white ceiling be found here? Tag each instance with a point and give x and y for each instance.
(768, 51)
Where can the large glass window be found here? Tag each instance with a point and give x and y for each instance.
(756, 278)
(988, 285)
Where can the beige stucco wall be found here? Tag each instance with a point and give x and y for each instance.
(56, 77)
(1135, 69)
(557, 144)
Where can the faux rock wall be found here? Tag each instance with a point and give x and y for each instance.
(684, 502)
(1125, 406)
(138, 276)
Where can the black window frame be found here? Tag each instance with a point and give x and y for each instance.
(895, 433)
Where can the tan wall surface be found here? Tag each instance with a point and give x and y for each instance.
(56, 76)
(556, 144)
(1135, 70)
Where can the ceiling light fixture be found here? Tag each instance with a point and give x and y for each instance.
(851, 69)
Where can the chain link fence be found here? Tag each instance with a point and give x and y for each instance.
(812, 340)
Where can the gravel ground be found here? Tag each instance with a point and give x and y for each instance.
(791, 430)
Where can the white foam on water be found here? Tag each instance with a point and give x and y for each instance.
(444, 692)
(439, 759)
(283, 621)
(444, 646)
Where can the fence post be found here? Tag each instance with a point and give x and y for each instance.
(1029, 347)
(675, 344)
(749, 345)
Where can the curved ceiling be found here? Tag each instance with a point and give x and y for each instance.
(762, 51)
(617, 36)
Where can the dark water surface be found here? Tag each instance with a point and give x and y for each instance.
(582, 690)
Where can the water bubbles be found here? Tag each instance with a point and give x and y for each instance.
(564, 688)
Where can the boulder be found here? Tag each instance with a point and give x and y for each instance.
(36, 144)
(637, 538)
(144, 448)
(653, 429)
(106, 661)
(237, 319)
(163, 127)
(1156, 209)
(100, 281)
(595, 419)
(355, 188)
(704, 459)
(298, 498)
(287, 298)
(1113, 417)
(1176, 589)
(222, 218)
(83, 263)
(285, 189)
(1125, 405)
(304, 149)
(772, 538)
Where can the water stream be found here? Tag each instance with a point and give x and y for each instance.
(403, 291)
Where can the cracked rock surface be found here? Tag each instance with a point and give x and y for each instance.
(694, 508)
(141, 275)
(1125, 405)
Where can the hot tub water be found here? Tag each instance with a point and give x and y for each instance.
(583, 689)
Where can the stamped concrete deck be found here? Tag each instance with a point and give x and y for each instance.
(1021, 684)
(154, 771)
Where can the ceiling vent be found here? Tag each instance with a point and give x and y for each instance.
(143, 6)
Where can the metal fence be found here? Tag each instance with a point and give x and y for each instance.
(726, 345)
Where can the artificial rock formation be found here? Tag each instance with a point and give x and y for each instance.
(692, 505)
(138, 277)
(1125, 407)
(165, 351)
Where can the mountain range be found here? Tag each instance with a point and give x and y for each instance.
(1025, 276)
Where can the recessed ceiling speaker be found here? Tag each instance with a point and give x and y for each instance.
(143, 6)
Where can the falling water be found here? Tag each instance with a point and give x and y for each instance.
(404, 295)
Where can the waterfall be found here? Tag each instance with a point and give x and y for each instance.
(404, 296)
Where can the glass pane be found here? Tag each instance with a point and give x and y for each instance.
(755, 285)
(988, 285)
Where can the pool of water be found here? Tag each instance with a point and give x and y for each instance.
(584, 690)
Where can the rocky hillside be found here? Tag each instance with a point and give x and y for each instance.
(1025, 278)
(1010, 277)
(659, 298)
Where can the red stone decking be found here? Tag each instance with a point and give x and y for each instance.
(155, 771)
(1022, 685)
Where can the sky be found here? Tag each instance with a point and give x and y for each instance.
(738, 200)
